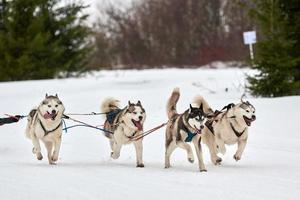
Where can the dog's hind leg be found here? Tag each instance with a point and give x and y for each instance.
(170, 147)
(220, 145)
(36, 148)
(57, 144)
(139, 153)
(209, 140)
(198, 148)
(49, 147)
(241, 147)
(188, 149)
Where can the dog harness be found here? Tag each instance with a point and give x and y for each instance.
(238, 134)
(49, 131)
(111, 116)
(190, 136)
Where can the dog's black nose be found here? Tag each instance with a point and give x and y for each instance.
(201, 127)
(53, 111)
(253, 117)
(140, 117)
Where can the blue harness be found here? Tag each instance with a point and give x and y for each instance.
(111, 116)
(190, 136)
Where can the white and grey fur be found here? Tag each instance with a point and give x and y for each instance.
(128, 123)
(231, 126)
(191, 120)
(45, 124)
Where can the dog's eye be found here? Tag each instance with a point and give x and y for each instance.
(56, 106)
(135, 113)
(247, 110)
(49, 106)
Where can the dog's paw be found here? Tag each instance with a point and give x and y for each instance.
(203, 170)
(39, 156)
(52, 163)
(54, 158)
(167, 166)
(236, 157)
(218, 161)
(114, 155)
(141, 165)
(191, 160)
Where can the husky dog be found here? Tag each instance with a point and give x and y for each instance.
(185, 127)
(123, 125)
(230, 126)
(45, 124)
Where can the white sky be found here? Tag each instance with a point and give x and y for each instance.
(94, 4)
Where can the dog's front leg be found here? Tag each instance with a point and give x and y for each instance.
(57, 144)
(116, 150)
(117, 145)
(241, 147)
(49, 147)
(139, 153)
(198, 148)
(36, 147)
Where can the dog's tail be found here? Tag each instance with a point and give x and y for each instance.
(198, 100)
(171, 105)
(109, 104)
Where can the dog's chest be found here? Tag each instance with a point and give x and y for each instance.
(225, 133)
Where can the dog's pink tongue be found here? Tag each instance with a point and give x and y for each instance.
(48, 116)
(139, 126)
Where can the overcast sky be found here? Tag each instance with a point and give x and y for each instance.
(94, 4)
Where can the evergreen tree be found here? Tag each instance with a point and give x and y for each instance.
(40, 39)
(278, 49)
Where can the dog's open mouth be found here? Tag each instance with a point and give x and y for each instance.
(48, 115)
(138, 124)
(197, 131)
(248, 120)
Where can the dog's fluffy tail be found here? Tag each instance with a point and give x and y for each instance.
(109, 104)
(171, 105)
(198, 100)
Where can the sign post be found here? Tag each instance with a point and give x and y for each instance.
(250, 39)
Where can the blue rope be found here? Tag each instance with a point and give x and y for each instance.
(77, 125)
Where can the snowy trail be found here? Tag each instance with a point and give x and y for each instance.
(269, 169)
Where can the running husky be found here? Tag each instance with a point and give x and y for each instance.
(186, 127)
(230, 126)
(45, 124)
(123, 125)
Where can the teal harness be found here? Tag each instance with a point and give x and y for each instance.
(190, 136)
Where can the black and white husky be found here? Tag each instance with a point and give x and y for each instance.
(45, 124)
(123, 125)
(186, 127)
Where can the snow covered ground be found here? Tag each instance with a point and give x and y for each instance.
(269, 169)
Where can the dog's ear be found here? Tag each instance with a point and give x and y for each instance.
(46, 96)
(139, 103)
(191, 107)
(56, 95)
(201, 107)
(129, 103)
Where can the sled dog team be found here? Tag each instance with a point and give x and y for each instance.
(197, 124)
